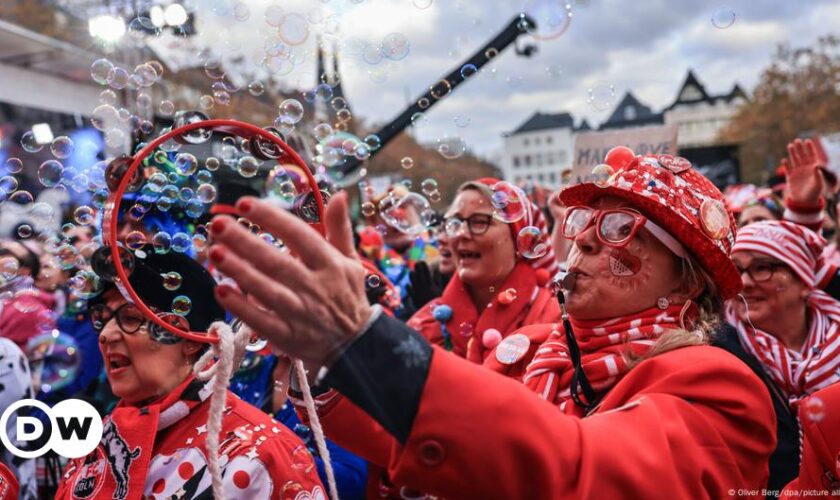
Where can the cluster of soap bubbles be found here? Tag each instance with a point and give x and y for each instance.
(105, 72)
(410, 213)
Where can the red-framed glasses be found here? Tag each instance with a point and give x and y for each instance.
(615, 226)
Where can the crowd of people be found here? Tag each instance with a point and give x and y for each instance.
(667, 341)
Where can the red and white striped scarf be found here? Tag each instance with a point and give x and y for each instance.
(603, 345)
(798, 374)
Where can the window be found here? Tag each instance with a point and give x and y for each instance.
(552, 177)
(525, 142)
(562, 158)
(537, 141)
(629, 113)
(539, 160)
(527, 160)
(550, 159)
(541, 177)
(515, 161)
(548, 140)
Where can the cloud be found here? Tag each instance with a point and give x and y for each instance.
(644, 46)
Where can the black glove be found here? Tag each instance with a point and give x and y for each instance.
(424, 285)
(375, 293)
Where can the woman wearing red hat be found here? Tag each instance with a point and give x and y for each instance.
(786, 324)
(175, 433)
(624, 398)
(499, 284)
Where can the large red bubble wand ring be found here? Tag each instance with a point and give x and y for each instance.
(228, 347)
(110, 219)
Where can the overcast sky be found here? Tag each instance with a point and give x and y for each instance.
(645, 46)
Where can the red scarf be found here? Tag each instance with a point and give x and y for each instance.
(602, 347)
(129, 436)
(816, 366)
(467, 324)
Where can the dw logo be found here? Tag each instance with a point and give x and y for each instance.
(75, 428)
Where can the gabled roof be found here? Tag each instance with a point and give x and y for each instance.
(545, 121)
(583, 127)
(631, 113)
(692, 92)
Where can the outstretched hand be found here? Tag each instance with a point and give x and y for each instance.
(805, 182)
(309, 304)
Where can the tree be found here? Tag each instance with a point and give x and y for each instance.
(797, 95)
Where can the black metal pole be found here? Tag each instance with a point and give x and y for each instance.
(518, 26)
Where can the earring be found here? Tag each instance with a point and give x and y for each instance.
(689, 304)
(663, 303)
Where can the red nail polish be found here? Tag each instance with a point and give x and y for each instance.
(218, 225)
(217, 255)
(244, 206)
(222, 291)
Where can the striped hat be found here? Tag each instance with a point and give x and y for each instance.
(796, 246)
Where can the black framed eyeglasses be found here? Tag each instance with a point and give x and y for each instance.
(128, 317)
(760, 271)
(477, 224)
(130, 320)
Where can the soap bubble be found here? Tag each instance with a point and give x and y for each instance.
(206, 193)
(162, 242)
(186, 164)
(451, 147)
(723, 18)
(293, 109)
(553, 18)
(100, 69)
(509, 202)
(49, 173)
(62, 147)
(181, 305)
(530, 243)
(84, 215)
(409, 214)
(601, 97)
(29, 144)
(171, 280)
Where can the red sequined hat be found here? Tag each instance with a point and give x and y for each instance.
(677, 198)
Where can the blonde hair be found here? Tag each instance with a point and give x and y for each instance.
(701, 330)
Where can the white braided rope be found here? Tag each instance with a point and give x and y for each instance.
(315, 424)
(227, 352)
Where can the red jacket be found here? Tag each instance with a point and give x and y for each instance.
(819, 470)
(533, 304)
(691, 423)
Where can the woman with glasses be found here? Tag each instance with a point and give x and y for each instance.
(786, 325)
(495, 289)
(155, 442)
(498, 286)
(623, 399)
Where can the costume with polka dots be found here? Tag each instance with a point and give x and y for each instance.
(260, 458)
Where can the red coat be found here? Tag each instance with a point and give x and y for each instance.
(691, 423)
(819, 470)
(533, 304)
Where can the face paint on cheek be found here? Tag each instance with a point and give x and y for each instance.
(623, 264)
(623, 269)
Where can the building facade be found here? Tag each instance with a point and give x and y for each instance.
(540, 149)
(543, 146)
